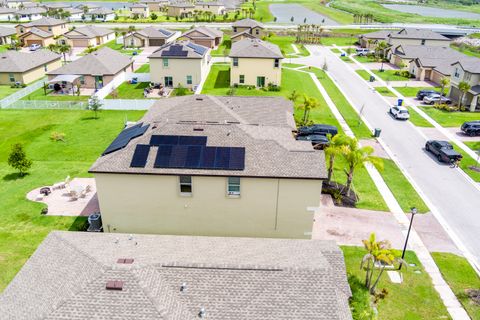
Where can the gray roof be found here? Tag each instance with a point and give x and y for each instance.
(470, 64)
(100, 11)
(406, 33)
(73, 10)
(209, 33)
(43, 22)
(57, 5)
(247, 23)
(255, 48)
(5, 32)
(154, 1)
(381, 34)
(31, 11)
(138, 5)
(211, 3)
(155, 32)
(104, 61)
(15, 61)
(88, 32)
(38, 32)
(194, 51)
(261, 125)
(232, 278)
(182, 5)
(4, 10)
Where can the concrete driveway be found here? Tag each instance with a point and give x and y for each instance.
(453, 199)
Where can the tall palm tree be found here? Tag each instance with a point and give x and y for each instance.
(444, 82)
(463, 86)
(64, 49)
(334, 149)
(53, 47)
(124, 33)
(309, 103)
(380, 49)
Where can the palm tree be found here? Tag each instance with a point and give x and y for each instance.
(355, 157)
(444, 82)
(334, 149)
(463, 86)
(64, 49)
(380, 48)
(309, 103)
(124, 33)
(53, 47)
(293, 96)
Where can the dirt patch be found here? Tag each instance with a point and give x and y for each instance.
(339, 194)
(474, 295)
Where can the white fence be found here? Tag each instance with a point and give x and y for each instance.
(43, 104)
(121, 104)
(117, 81)
(21, 93)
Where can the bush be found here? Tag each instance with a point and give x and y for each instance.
(449, 107)
(403, 73)
(181, 91)
(153, 16)
(18, 159)
(57, 136)
(272, 87)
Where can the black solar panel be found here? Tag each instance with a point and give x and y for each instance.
(197, 48)
(237, 159)
(140, 156)
(157, 140)
(207, 160)
(125, 136)
(178, 157)
(163, 157)
(194, 154)
(222, 158)
(175, 51)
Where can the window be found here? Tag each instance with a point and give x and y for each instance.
(276, 63)
(242, 78)
(45, 67)
(82, 80)
(235, 62)
(423, 42)
(189, 80)
(234, 29)
(49, 28)
(21, 30)
(165, 62)
(457, 73)
(233, 188)
(467, 76)
(11, 77)
(186, 185)
(257, 32)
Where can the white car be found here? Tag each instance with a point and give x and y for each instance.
(34, 47)
(400, 113)
(362, 51)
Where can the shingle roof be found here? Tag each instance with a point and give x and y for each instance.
(210, 33)
(255, 48)
(4, 10)
(38, 32)
(247, 23)
(470, 64)
(155, 32)
(232, 278)
(15, 61)
(411, 33)
(210, 3)
(31, 10)
(42, 22)
(138, 5)
(194, 51)
(73, 10)
(182, 5)
(104, 61)
(88, 32)
(154, 1)
(5, 32)
(245, 34)
(101, 10)
(261, 125)
(381, 34)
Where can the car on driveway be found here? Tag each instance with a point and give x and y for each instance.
(471, 128)
(436, 98)
(443, 150)
(400, 113)
(318, 141)
(362, 51)
(34, 47)
(425, 93)
(321, 129)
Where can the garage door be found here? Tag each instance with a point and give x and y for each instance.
(156, 42)
(30, 42)
(80, 43)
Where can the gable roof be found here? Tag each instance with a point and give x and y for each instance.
(88, 32)
(211, 3)
(31, 11)
(154, 1)
(381, 34)
(155, 32)
(245, 34)
(255, 48)
(5, 32)
(412, 33)
(104, 61)
(100, 11)
(232, 278)
(419, 51)
(38, 32)
(470, 64)
(188, 51)
(15, 61)
(43, 22)
(209, 33)
(138, 5)
(247, 23)
(181, 5)
(4, 10)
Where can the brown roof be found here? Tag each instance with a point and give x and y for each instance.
(255, 48)
(15, 61)
(209, 33)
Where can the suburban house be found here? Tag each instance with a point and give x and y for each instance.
(179, 63)
(89, 35)
(247, 26)
(56, 6)
(18, 4)
(75, 14)
(155, 5)
(83, 275)
(149, 37)
(204, 36)
(41, 31)
(25, 67)
(139, 10)
(31, 13)
(214, 7)
(6, 35)
(211, 166)
(406, 36)
(100, 14)
(468, 70)
(179, 9)
(96, 69)
(255, 62)
(7, 14)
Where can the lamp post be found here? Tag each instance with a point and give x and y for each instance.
(414, 212)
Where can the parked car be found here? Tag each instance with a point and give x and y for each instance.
(425, 93)
(443, 150)
(34, 47)
(319, 141)
(436, 98)
(362, 51)
(399, 112)
(471, 128)
(321, 129)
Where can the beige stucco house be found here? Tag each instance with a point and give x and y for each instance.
(247, 26)
(24, 67)
(406, 36)
(17, 4)
(149, 37)
(179, 63)
(255, 62)
(180, 9)
(467, 70)
(6, 35)
(215, 7)
(204, 36)
(139, 10)
(211, 166)
(41, 31)
(89, 35)
(155, 5)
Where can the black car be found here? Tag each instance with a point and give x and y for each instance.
(321, 129)
(471, 128)
(318, 141)
(443, 150)
(424, 93)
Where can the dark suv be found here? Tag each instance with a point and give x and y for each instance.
(471, 128)
(322, 129)
(425, 93)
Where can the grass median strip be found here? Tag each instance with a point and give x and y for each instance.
(385, 92)
(467, 163)
(418, 120)
(412, 91)
(450, 119)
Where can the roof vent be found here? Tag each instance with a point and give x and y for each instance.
(183, 287)
(202, 313)
(114, 285)
(197, 129)
(125, 261)
(130, 237)
(199, 99)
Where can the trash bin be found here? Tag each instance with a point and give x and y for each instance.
(377, 132)
(399, 102)
(343, 54)
(372, 78)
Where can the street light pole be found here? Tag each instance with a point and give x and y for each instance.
(414, 212)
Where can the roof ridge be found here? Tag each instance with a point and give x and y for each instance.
(228, 110)
(57, 234)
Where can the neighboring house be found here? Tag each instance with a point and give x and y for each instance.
(7, 14)
(406, 36)
(255, 62)
(155, 5)
(149, 37)
(29, 14)
(217, 8)
(241, 36)
(87, 275)
(179, 63)
(41, 31)
(57, 6)
(89, 35)
(96, 69)
(180, 9)
(25, 67)
(204, 36)
(6, 35)
(139, 10)
(211, 166)
(250, 26)
(75, 14)
(100, 14)
(467, 70)
(17, 4)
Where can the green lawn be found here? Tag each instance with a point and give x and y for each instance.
(224, 48)
(461, 277)
(385, 92)
(474, 145)
(4, 48)
(119, 47)
(346, 59)
(292, 65)
(334, 14)
(364, 74)
(335, 50)
(129, 91)
(23, 228)
(365, 59)
(468, 50)
(389, 75)
(414, 299)
(144, 68)
(5, 91)
(467, 162)
(39, 94)
(339, 41)
(418, 120)
(285, 44)
(412, 91)
(450, 119)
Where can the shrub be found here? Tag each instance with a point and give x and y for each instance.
(181, 91)
(273, 87)
(153, 16)
(57, 136)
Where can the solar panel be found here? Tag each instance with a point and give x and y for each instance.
(157, 140)
(222, 158)
(125, 136)
(197, 48)
(192, 140)
(237, 158)
(193, 156)
(178, 157)
(207, 160)
(163, 157)
(140, 156)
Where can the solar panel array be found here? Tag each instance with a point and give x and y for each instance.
(140, 156)
(157, 140)
(165, 32)
(125, 136)
(175, 50)
(197, 48)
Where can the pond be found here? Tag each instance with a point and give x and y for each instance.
(432, 12)
(105, 4)
(284, 13)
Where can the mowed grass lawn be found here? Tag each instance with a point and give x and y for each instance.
(5, 91)
(385, 92)
(218, 82)
(224, 48)
(418, 120)
(129, 91)
(450, 119)
(412, 91)
(22, 228)
(414, 299)
(144, 68)
(285, 44)
(461, 277)
(39, 94)
(389, 75)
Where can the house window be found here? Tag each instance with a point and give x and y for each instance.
(21, 30)
(234, 29)
(257, 32)
(11, 77)
(45, 67)
(467, 76)
(186, 185)
(233, 188)
(423, 42)
(189, 80)
(165, 62)
(456, 74)
(82, 80)
(242, 78)
(235, 62)
(276, 63)
(49, 28)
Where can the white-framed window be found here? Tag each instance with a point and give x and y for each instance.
(233, 186)
(189, 80)
(82, 79)
(185, 185)
(242, 78)
(11, 77)
(235, 62)
(276, 63)
(457, 73)
(423, 42)
(165, 62)
(45, 67)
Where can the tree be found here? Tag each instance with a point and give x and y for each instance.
(309, 103)
(95, 105)
(293, 96)
(124, 33)
(444, 82)
(334, 149)
(463, 86)
(355, 157)
(380, 49)
(53, 47)
(153, 16)
(18, 159)
(64, 49)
